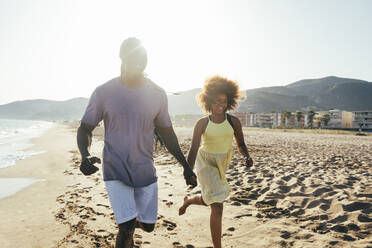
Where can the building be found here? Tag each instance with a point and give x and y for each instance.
(276, 119)
(362, 119)
(259, 119)
(337, 119)
(347, 119)
(264, 120)
(246, 119)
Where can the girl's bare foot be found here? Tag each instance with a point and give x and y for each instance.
(183, 208)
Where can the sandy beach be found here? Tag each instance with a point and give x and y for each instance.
(27, 217)
(305, 190)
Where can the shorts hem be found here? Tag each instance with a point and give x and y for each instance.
(147, 221)
(208, 203)
(123, 220)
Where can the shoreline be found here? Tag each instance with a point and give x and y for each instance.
(17, 184)
(27, 216)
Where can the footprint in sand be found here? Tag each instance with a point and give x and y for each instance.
(313, 204)
(285, 235)
(284, 189)
(348, 238)
(168, 203)
(169, 225)
(356, 206)
(243, 215)
(320, 191)
(364, 218)
(102, 205)
(340, 228)
(324, 207)
(339, 219)
(333, 243)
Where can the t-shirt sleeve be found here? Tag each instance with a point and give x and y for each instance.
(162, 119)
(94, 111)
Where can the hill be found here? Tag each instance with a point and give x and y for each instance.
(316, 94)
(44, 109)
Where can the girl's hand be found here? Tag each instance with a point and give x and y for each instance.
(248, 162)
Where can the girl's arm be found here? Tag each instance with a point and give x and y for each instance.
(196, 139)
(239, 137)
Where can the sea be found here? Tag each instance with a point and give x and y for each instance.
(15, 145)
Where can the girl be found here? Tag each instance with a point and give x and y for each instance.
(216, 133)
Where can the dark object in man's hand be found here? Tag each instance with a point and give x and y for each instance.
(190, 177)
(87, 166)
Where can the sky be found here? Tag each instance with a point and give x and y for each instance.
(61, 49)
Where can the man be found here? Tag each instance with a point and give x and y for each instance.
(131, 106)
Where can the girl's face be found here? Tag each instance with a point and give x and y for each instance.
(220, 104)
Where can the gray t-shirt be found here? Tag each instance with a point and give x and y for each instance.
(130, 116)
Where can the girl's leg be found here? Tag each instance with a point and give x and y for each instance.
(216, 223)
(196, 200)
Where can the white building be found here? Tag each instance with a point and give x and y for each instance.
(362, 118)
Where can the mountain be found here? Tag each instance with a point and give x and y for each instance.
(44, 109)
(316, 94)
(333, 92)
(184, 103)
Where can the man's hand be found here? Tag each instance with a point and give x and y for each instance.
(248, 162)
(190, 177)
(87, 166)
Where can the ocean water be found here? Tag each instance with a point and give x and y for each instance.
(15, 137)
(10, 186)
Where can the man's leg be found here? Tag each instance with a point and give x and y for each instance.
(123, 204)
(145, 226)
(124, 239)
(147, 206)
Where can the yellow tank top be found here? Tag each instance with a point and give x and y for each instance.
(217, 137)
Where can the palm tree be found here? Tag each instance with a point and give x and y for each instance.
(299, 116)
(310, 116)
(325, 119)
(288, 115)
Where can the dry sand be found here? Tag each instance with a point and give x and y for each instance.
(305, 190)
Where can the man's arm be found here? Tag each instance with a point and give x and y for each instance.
(171, 143)
(84, 140)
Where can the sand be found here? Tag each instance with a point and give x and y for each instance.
(305, 190)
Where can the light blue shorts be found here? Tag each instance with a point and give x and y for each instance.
(129, 203)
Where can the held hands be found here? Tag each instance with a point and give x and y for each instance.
(248, 162)
(87, 166)
(190, 177)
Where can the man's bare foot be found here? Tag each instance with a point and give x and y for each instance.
(183, 208)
